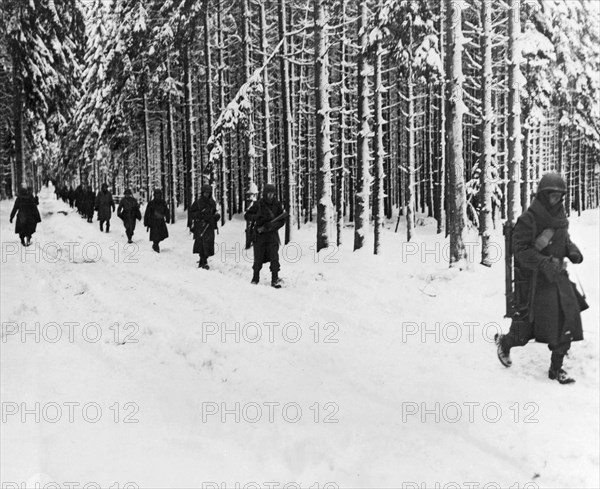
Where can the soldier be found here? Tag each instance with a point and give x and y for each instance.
(202, 221)
(267, 216)
(71, 197)
(129, 211)
(551, 309)
(88, 203)
(156, 218)
(28, 216)
(104, 205)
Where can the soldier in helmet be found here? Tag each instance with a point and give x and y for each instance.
(129, 211)
(156, 218)
(267, 216)
(104, 205)
(28, 216)
(551, 312)
(202, 221)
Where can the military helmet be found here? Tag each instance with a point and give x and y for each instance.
(206, 189)
(552, 182)
(269, 187)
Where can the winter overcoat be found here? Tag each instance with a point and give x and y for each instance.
(156, 218)
(553, 306)
(129, 211)
(27, 214)
(266, 242)
(104, 205)
(203, 218)
(88, 203)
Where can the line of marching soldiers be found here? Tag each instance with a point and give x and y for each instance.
(265, 216)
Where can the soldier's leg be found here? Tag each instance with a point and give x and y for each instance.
(259, 253)
(521, 331)
(273, 254)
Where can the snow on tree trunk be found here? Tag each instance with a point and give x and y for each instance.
(323, 143)
(441, 223)
(378, 150)
(457, 215)
(18, 131)
(287, 123)
(515, 154)
(266, 100)
(146, 145)
(209, 90)
(223, 171)
(249, 132)
(190, 153)
(411, 184)
(361, 201)
(485, 192)
(172, 148)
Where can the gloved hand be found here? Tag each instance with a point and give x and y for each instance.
(261, 230)
(551, 269)
(575, 257)
(11, 220)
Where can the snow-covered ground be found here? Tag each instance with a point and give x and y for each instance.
(120, 365)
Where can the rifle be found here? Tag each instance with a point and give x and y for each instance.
(280, 217)
(508, 269)
(517, 281)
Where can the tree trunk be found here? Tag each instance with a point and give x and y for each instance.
(146, 145)
(441, 223)
(485, 194)
(173, 181)
(378, 150)
(249, 132)
(223, 170)
(515, 153)
(266, 100)
(456, 109)
(19, 130)
(287, 121)
(322, 129)
(190, 152)
(209, 90)
(411, 184)
(361, 214)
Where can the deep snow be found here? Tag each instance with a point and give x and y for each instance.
(402, 340)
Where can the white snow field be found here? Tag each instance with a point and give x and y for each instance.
(124, 368)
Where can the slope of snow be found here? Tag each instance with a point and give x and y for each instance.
(380, 370)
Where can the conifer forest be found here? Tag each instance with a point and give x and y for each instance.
(358, 111)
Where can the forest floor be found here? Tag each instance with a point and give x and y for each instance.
(122, 365)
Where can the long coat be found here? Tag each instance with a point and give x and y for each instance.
(553, 307)
(155, 217)
(266, 243)
(129, 211)
(27, 213)
(104, 205)
(202, 220)
(88, 203)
